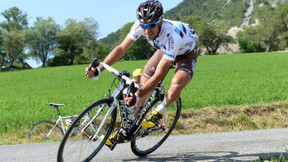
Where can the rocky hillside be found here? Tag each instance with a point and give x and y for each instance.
(237, 13)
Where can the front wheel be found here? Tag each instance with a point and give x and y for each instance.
(45, 131)
(78, 143)
(145, 141)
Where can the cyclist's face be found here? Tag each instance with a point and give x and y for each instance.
(137, 79)
(151, 30)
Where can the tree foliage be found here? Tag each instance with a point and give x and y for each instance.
(232, 13)
(15, 19)
(274, 27)
(212, 35)
(270, 35)
(249, 40)
(140, 50)
(2, 51)
(102, 50)
(14, 35)
(41, 39)
(76, 42)
(14, 46)
(76, 35)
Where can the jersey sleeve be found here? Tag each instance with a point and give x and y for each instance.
(135, 31)
(193, 34)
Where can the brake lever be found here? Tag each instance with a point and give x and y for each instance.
(93, 64)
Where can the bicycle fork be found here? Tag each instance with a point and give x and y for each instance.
(95, 136)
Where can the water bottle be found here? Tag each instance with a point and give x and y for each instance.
(68, 123)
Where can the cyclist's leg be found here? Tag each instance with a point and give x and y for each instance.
(179, 81)
(148, 72)
(184, 70)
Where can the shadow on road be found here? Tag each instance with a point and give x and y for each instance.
(211, 156)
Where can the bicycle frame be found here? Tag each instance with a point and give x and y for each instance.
(102, 119)
(125, 82)
(60, 119)
(115, 94)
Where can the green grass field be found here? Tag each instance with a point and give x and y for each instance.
(222, 80)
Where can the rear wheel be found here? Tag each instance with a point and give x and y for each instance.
(145, 141)
(45, 131)
(77, 144)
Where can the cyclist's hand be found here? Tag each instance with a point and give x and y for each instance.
(93, 73)
(132, 100)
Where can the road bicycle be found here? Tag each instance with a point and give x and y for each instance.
(83, 145)
(49, 131)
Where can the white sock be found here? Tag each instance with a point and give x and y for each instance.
(161, 108)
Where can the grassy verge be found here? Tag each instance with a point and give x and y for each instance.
(233, 118)
(207, 120)
(220, 83)
(283, 157)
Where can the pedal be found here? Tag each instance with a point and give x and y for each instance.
(116, 142)
(113, 146)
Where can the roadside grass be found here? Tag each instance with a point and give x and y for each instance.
(233, 118)
(205, 120)
(283, 157)
(219, 82)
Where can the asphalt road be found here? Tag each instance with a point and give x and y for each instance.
(230, 146)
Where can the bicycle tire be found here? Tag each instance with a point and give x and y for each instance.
(39, 132)
(75, 146)
(145, 143)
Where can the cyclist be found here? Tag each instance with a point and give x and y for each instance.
(137, 75)
(136, 78)
(175, 43)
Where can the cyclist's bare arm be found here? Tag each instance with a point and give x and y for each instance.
(114, 55)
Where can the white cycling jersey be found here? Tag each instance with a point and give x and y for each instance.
(175, 38)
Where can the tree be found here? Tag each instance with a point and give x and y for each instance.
(274, 27)
(140, 50)
(102, 50)
(14, 46)
(41, 39)
(249, 40)
(2, 52)
(15, 20)
(14, 37)
(211, 36)
(73, 38)
(222, 39)
(89, 52)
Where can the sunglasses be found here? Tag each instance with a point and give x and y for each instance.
(149, 26)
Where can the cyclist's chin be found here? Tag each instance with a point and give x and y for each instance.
(150, 37)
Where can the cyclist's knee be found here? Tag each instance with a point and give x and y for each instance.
(176, 88)
(177, 85)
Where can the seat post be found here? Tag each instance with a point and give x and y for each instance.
(57, 110)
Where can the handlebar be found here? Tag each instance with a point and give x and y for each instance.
(93, 64)
(96, 63)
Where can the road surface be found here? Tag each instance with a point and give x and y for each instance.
(230, 146)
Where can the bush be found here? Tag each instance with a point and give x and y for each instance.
(59, 60)
(248, 41)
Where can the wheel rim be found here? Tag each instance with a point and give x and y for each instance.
(78, 147)
(142, 146)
